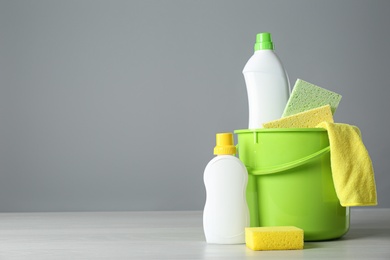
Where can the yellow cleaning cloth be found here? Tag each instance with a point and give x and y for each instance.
(352, 171)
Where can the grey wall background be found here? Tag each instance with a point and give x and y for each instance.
(114, 105)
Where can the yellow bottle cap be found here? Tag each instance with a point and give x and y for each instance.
(225, 144)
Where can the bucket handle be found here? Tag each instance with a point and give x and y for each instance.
(290, 165)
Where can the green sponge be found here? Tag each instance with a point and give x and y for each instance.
(306, 96)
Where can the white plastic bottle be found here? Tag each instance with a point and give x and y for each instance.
(267, 83)
(226, 213)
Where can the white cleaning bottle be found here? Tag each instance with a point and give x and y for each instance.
(267, 83)
(226, 213)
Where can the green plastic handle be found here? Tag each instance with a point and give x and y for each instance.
(289, 165)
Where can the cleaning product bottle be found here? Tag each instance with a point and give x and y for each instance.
(226, 212)
(267, 83)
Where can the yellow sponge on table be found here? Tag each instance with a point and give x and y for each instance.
(274, 238)
(308, 119)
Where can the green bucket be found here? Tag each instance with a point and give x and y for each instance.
(290, 181)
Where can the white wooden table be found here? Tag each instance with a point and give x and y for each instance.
(168, 235)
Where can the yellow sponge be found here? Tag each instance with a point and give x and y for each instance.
(274, 238)
(308, 119)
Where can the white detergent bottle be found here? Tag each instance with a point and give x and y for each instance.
(267, 83)
(226, 213)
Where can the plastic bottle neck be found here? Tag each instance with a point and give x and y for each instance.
(264, 51)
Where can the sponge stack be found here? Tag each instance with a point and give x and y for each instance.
(274, 238)
(306, 96)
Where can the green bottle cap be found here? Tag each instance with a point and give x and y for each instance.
(264, 42)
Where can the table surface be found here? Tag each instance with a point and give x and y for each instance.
(168, 235)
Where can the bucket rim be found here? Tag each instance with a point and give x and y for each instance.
(267, 130)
